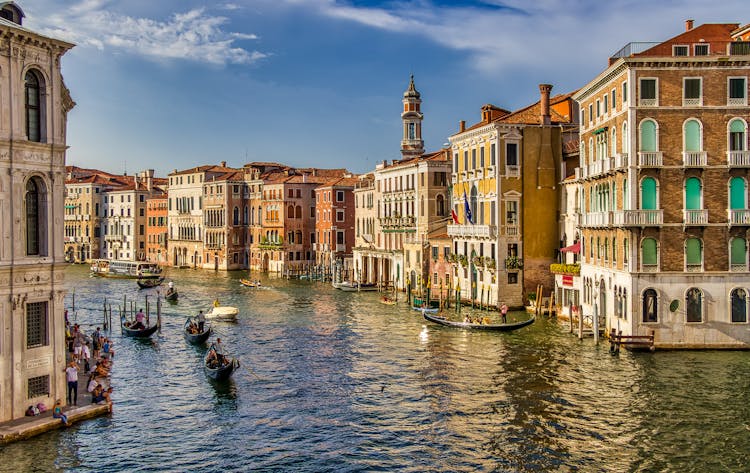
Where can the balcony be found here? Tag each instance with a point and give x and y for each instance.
(620, 161)
(738, 158)
(692, 102)
(694, 159)
(512, 170)
(638, 218)
(694, 268)
(648, 102)
(695, 217)
(650, 159)
(472, 231)
(739, 217)
(511, 230)
(398, 222)
(738, 268)
(113, 238)
(596, 219)
(340, 248)
(649, 268)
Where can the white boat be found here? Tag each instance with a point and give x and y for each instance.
(223, 312)
(125, 269)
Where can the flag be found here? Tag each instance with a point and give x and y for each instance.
(455, 216)
(467, 210)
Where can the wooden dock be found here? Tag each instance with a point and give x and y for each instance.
(630, 342)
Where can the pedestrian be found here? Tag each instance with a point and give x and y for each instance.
(71, 374)
(96, 339)
(57, 413)
(201, 321)
(77, 343)
(86, 356)
(504, 313)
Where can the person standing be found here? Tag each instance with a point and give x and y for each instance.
(71, 374)
(96, 339)
(139, 318)
(504, 313)
(201, 319)
(219, 350)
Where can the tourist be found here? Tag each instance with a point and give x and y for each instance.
(77, 343)
(107, 351)
(92, 382)
(86, 356)
(57, 413)
(504, 313)
(201, 321)
(97, 395)
(108, 397)
(71, 374)
(96, 339)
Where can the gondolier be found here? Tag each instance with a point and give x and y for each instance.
(201, 319)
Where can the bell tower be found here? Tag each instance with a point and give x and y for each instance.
(412, 144)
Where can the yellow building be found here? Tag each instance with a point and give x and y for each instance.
(506, 175)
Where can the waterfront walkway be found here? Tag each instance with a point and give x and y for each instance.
(30, 426)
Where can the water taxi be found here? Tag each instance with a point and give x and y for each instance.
(125, 269)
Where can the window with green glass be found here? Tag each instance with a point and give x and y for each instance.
(693, 252)
(692, 193)
(694, 305)
(738, 250)
(739, 305)
(692, 135)
(737, 194)
(648, 136)
(737, 135)
(649, 251)
(648, 193)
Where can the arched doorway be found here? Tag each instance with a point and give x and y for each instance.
(265, 264)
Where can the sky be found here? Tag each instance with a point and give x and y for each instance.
(173, 84)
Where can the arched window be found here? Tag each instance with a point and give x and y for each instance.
(33, 99)
(474, 203)
(649, 252)
(693, 194)
(648, 193)
(693, 254)
(290, 211)
(33, 221)
(298, 212)
(738, 254)
(614, 250)
(694, 305)
(299, 236)
(625, 137)
(245, 215)
(440, 205)
(737, 135)
(737, 194)
(649, 138)
(582, 147)
(613, 144)
(650, 306)
(592, 155)
(236, 216)
(739, 305)
(692, 136)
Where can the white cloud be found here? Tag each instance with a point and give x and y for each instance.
(194, 35)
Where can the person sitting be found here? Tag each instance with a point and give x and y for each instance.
(97, 396)
(57, 413)
(92, 382)
(108, 397)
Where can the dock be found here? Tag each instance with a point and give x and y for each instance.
(26, 427)
(630, 342)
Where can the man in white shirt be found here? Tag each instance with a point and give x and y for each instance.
(71, 374)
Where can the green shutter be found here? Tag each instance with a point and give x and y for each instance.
(692, 136)
(648, 250)
(737, 198)
(693, 194)
(648, 136)
(648, 194)
(693, 251)
(739, 251)
(737, 126)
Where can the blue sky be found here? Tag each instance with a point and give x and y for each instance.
(171, 84)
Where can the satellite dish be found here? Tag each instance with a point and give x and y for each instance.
(674, 305)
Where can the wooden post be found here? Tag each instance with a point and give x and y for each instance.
(596, 329)
(580, 326)
(570, 316)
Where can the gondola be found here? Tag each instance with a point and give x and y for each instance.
(142, 333)
(223, 372)
(473, 326)
(171, 295)
(248, 283)
(196, 338)
(147, 283)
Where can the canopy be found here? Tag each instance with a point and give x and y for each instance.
(574, 248)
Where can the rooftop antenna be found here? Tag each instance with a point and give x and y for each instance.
(125, 168)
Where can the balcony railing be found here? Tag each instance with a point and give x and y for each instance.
(512, 170)
(596, 219)
(741, 101)
(474, 231)
(620, 161)
(738, 268)
(649, 268)
(695, 217)
(648, 102)
(694, 268)
(511, 230)
(650, 158)
(738, 158)
(694, 158)
(739, 216)
(692, 102)
(408, 221)
(640, 218)
(113, 238)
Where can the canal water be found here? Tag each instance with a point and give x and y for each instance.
(336, 381)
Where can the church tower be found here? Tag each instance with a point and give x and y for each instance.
(412, 144)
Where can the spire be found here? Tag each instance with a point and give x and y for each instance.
(412, 144)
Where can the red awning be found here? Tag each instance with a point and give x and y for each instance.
(574, 248)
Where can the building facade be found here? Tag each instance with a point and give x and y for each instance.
(664, 189)
(156, 229)
(334, 222)
(32, 192)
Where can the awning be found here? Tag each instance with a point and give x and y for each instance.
(574, 248)
(600, 130)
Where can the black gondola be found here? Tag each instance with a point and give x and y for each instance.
(137, 333)
(196, 338)
(147, 283)
(171, 295)
(473, 326)
(216, 372)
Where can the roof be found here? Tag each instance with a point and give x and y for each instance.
(532, 114)
(205, 168)
(717, 35)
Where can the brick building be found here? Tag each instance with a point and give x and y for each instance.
(663, 189)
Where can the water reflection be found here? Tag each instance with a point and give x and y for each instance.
(334, 381)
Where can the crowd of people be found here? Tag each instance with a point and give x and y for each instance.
(88, 355)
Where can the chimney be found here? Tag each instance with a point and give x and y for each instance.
(462, 126)
(544, 90)
(223, 164)
(688, 25)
